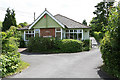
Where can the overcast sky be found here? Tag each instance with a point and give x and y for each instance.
(74, 9)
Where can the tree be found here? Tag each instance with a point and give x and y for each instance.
(9, 19)
(23, 24)
(84, 22)
(102, 14)
(110, 48)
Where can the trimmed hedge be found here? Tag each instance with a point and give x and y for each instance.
(39, 44)
(70, 45)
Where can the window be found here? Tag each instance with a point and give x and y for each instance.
(37, 32)
(29, 34)
(74, 34)
(71, 30)
(67, 36)
(58, 35)
(58, 29)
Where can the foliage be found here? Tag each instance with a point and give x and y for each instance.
(9, 45)
(10, 62)
(40, 44)
(100, 22)
(110, 44)
(10, 40)
(84, 22)
(86, 45)
(98, 36)
(23, 24)
(46, 44)
(70, 45)
(9, 19)
(22, 43)
(0, 26)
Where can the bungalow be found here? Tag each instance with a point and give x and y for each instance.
(47, 25)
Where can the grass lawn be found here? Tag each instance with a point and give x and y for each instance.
(23, 65)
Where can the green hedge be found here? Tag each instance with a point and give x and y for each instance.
(86, 45)
(39, 44)
(70, 45)
(111, 58)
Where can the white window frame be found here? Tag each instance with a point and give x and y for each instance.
(59, 31)
(35, 32)
(78, 31)
(27, 33)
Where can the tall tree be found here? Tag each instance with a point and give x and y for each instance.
(102, 14)
(84, 22)
(9, 20)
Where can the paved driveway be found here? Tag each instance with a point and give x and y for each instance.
(76, 65)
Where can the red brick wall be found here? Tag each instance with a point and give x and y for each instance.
(47, 32)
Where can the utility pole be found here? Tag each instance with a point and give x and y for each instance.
(34, 16)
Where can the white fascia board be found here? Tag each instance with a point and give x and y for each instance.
(45, 12)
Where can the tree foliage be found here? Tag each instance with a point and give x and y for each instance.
(84, 22)
(102, 13)
(110, 44)
(9, 19)
(23, 24)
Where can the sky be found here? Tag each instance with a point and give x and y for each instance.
(74, 9)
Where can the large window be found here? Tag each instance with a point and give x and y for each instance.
(58, 33)
(74, 34)
(37, 32)
(29, 34)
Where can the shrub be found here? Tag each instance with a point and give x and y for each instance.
(40, 44)
(9, 45)
(10, 62)
(98, 35)
(86, 45)
(22, 43)
(70, 45)
(111, 58)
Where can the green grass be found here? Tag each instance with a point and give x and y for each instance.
(23, 65)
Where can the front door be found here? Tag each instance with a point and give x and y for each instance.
(49, 32)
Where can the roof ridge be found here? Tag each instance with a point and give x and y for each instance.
(71, 19)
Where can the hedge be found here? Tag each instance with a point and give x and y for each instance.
(39, 44)
(70, 45)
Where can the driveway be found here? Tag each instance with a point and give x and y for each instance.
(69, 65)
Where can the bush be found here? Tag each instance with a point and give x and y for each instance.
(22, 43)
(98, 35)
(70, 45)
(9, 45)
(40, 44)
(10, 62)
(111, 58)
(86, 45)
